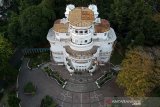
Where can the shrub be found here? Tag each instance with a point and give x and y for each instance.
(29, 88)
(55, 75)
(13, 101)
(47, 101)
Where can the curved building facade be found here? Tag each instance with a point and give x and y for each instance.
(81, 40)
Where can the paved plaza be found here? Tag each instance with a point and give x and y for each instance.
(80, 90)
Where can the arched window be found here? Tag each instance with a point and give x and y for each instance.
(81, 32)
(76, 31)
(86, 31)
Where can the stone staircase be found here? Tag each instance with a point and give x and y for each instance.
(81, 83)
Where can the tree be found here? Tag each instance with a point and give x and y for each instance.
(139, 39)
(14, 30)
(35, 22)
(60, 8)
(47, 101)
(152, 36)
(137, 75)
(27, 3)
(3, 26)
(7, 71)
(50, 4)
(5, 53)
(133, 18)
(30, 28)
(13, 101)
(155, 4)
(29, 88)
(156, 51)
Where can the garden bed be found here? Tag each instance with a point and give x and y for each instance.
(38, 59)
(29, 89)
(55, 75)
(104, 78)
(47, 101)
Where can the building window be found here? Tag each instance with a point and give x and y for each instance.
(57, 57)
(81, 32)
(76, 31)
(85, 31)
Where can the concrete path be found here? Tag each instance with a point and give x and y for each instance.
(79, 91)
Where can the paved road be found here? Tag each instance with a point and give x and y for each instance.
(69, 97)
(45, 86)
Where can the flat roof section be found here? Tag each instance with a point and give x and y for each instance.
(102, 27)
(60, 27)
(81, 17)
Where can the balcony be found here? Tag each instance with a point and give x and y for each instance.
(81, 54)
(77, 47)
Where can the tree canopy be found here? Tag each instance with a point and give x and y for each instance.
(132, 20)
(7, 72)
(139, 74)
(13, 101)
(31, 26)
(5, 53)
(26, 3)
(47, 101)
(34, 23)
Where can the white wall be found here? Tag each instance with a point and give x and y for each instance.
(81, 66)
(58, 58)
(81, 47)
(101, 36)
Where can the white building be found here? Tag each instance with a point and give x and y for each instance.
(81, 40)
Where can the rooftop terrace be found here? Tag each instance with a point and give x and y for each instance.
(102, 27)
(60, 26)
(81, 17)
